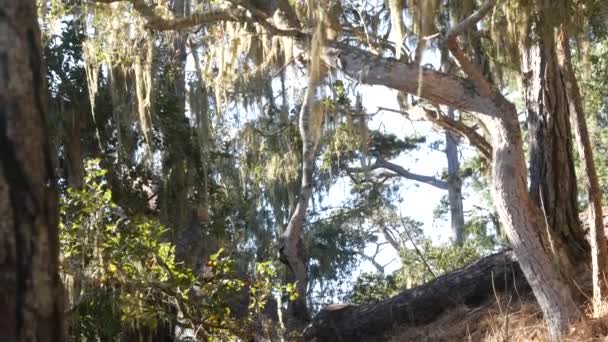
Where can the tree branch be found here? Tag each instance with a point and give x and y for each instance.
(457, 127)
(436, 87)
(471, 286)
(372, 258)
(156, 21)
(471, 20)
(364, 66)
(416, 249)
(475, 139)
(382, 163)
(466, 65)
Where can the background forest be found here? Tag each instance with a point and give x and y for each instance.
(232, 169)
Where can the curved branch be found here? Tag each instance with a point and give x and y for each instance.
(156, 21)
(436, 87)
(382, 163)
(475, 139)
(471, 20)
(454, 126)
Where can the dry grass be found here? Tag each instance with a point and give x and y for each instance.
(509, 319)
(505, 319)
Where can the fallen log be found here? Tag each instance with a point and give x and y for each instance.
(469, 286)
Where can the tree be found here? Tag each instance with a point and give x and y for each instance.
(536, 247)
(523, 221)
(597, 238)
(454, 185)
(31, 301)
(552, 175)
(421, 305)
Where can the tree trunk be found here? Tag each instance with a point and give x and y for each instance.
(471, 286)
(524, 225)
(597, 239)
(454, 185)
(552, 175)
(182, 215)
(522, 219)
(31, 304)
(291, 245)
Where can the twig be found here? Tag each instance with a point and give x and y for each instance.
(426, 264)
(506, 325)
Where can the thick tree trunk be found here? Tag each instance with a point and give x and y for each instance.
(524, 224)
(470, 286)
(597, 239)
(553, 184)
(454, 185)
(522, 219)
(31, 305)
(180, 212)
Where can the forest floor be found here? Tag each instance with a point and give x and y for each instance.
(506, 318)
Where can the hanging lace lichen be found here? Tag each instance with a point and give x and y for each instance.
(91, 67)
(142, 68)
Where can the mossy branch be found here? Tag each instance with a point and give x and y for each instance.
(248, 13)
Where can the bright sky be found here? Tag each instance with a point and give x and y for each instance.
(418, 199)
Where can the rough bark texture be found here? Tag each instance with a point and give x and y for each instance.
(31, 305)
(469, 286)
(454, 185)
(552, 175)
(524, 224)
(597, 239)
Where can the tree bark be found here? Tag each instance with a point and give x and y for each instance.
(31, 304)
(291, 245)
(552, 175)
(382, 163)
(597, 239)
(470, 286)
(454, 185)
(524, 225)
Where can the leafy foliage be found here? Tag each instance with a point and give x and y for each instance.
(123, 273)
(422, 261)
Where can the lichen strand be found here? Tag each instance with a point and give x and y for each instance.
(238, 59)
(117, 40)
(143, 85)
(91, 67)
